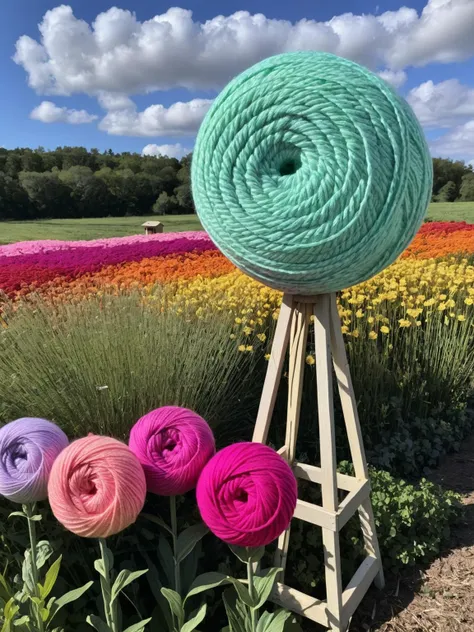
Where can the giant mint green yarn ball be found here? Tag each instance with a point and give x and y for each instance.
(310, 173)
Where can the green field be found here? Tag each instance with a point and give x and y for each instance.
(91, 228)
(96, 228)
(452, 211)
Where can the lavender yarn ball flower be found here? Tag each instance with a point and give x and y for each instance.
(28, 449)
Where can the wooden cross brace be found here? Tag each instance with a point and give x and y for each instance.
(292, 332)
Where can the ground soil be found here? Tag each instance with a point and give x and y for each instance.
(439, 598)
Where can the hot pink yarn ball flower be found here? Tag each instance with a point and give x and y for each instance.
(97, 487)
(247, 494)
(173, 444)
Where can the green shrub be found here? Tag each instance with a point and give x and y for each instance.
(412, 523)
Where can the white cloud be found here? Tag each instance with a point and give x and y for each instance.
(396, 78)
(173, 151)
(442, 104)
(48, 112)
(457, 143)
(119, 54)
(180, 119)
(115, 101)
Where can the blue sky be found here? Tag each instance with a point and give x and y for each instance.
(115, 78)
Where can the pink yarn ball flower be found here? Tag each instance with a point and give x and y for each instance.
(173, 444)
(247, 494)
(97, 487)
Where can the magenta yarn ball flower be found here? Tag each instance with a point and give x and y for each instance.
(173, 444)
(28, 448)
(247, 494)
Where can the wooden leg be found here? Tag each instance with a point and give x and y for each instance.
(354, 433)
(275, 366)
(298, 342)
(327, 439)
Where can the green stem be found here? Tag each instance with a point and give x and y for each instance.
(106, 585)
(174, 529)
(29, 510)
(253, 612)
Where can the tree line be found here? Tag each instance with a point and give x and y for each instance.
(74, 182)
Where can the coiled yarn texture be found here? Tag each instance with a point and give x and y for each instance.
(28, 449)
(247, 494)
(97, 487)
(173, 444)
(310, 173)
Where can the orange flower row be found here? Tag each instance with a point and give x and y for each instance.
(431, 245)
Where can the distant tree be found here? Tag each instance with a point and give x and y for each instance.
(184, 197)
(13, 165)
(32, 161)
(90, 195)
(165, 204)
(14, 200)
(48, 195)
(467, 188)
(446, 170)
(447, 193)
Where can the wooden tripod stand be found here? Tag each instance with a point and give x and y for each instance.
(292, 331)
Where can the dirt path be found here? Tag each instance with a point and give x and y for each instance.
(440, 598)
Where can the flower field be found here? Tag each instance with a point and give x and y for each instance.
(95, 334)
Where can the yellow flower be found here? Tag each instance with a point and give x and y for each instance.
(238, 321)
(461, 317)
(310, 360)
(429, 302)
(232, 336)
(262, 337)
(468, 301)
(344, 329)
(450, 303)
(370, 319)
(418, 323)
(355, 333)
(442, 297)
(384, 329)
(267, 357)
(403, 322)
(414, 312)
(359, 313)
(249, 348)
(441, 307)
(241, 347)
(373, 335)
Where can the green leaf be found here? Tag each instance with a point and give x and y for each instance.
(100, 568)
(166, 559)
(27, 573)
(242, 592)
(124, 578)
(188, 539)
(44, 550)
(157, 520)
(274, 622)
(51, 577)
(22, 620)
(248, 555)
(97, 623)
(206, 581)
(234, 616)
(176, 604)
(5, 589)
(138, 627)
(69, 597)
(192, 624)
(264, 585)
(17, 513)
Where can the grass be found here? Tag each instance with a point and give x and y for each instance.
(96, 228)
(452, 211)
(91, 228)
(99, 365)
